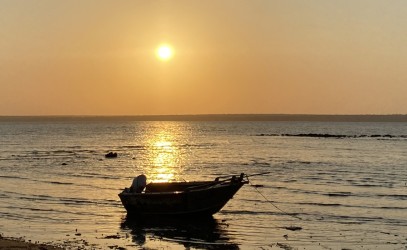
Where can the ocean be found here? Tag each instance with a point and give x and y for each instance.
(330, 185)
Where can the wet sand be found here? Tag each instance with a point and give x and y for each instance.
(20, 244)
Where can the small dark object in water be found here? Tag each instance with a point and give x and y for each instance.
(293, 228)
(111, 155)
(284, 246)
(64, 164)
(112, 237)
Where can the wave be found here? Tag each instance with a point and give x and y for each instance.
(331, 218)
(94, 176)
(323, 204)
(320, 204)
(251, 212)
(61, 183)
(340, 194)
(394, 196)
(316, 135)
(62, 199)
(358, 184)
(14, 177)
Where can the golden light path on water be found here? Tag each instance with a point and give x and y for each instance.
(164, 155)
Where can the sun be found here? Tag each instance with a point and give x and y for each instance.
(164, 52)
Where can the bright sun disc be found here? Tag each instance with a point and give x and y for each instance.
(164, 52)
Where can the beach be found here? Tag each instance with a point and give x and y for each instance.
(20, 244)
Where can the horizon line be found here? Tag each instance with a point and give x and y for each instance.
(224, 117)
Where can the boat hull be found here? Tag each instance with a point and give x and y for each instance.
(195, 202)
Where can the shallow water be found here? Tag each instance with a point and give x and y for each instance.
(323, 192)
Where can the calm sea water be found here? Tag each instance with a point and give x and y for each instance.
(342, 185)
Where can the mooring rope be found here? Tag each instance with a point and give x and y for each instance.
(231, 175)
(269, 201)
(291, 228)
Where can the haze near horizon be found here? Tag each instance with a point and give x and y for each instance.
(191, 57)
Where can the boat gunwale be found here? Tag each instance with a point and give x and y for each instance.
(209, 185)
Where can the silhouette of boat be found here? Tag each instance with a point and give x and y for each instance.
(192, 199)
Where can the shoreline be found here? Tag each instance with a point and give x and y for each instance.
(22, 244)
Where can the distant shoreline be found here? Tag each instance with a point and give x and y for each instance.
(216, 117)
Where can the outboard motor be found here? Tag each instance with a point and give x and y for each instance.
(139, 183)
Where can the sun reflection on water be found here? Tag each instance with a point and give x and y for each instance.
(165, 156)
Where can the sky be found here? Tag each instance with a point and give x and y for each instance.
(97, 57)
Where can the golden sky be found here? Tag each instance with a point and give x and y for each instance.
(84, 57)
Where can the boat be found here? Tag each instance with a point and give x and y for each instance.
(185, 199)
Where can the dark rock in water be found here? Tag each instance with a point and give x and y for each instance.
(293, 228)
(64, 164)
(284, 246)
(111, 155)
(112, 237)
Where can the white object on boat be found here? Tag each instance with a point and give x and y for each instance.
(139, 183)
